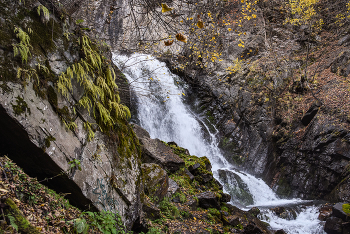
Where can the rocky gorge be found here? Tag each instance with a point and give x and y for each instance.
(270, 121)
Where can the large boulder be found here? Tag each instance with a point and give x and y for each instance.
(208, 200)
(338, 211)
(334, 225)
(156, 182)
(155, 151)
(338, 223)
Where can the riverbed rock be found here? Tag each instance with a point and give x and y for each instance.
(339, 212)
(217, 183)
(254, 211)
(208, 200)
(281, 231)
(334, 225)
(285, 213)
(156, 181)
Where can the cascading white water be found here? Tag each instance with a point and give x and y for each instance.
(262, 193)
(163, 114)
(161, 110)
(306, 222)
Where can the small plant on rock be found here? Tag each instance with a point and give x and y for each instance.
(23, 47)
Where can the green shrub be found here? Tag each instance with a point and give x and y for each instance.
(168, 209)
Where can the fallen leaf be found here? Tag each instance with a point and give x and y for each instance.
(168, 43)
(200, 23)
(181, 37)
(165, 8)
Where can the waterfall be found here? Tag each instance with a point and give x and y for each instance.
(162, 112)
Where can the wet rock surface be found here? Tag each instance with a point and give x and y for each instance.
(285, 213)
(235, 187)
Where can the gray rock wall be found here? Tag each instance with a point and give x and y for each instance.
(101, 174)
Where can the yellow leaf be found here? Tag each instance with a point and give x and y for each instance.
(165, 8)
(181, 37)
(200, 23)
(229, 29)
(168, 43)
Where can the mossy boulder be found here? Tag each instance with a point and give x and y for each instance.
(156, 181)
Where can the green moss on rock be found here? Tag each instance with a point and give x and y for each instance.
(346, 208)
(19, 220)
(48, 141)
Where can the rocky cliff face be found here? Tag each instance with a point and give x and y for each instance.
(46, 132)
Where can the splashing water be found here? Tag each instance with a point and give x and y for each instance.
(163, 114)
(306, 222)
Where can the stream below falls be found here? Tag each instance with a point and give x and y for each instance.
(161, 111)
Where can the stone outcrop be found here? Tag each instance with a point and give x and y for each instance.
(95, 174)
(156, 181)
(155, 151)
